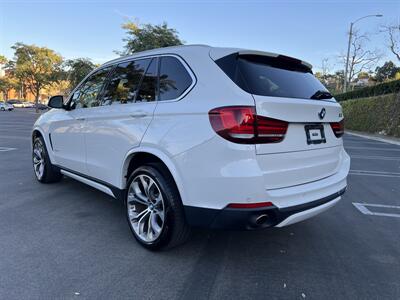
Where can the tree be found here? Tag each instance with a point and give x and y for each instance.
(61, 87)
(387, 71)
(77, 69)
(7, 83)
(319, 76)
(38, 67)
(142, 37)
(339, 79)
(393, 37)
(325, 67)
(360, 59)
(3, 60)
(363, 75)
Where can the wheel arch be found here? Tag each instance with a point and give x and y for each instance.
(36, 132)
(143, 155)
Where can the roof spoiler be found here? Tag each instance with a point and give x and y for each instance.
(270, 54)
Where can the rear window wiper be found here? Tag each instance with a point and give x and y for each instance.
(320, 94)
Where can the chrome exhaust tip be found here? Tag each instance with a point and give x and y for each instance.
(261, 219)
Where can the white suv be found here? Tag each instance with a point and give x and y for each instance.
(199, 136)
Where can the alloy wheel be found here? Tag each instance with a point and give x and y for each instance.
(146, 210)
(38, 160)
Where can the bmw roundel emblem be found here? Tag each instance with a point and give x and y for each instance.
(322, 113)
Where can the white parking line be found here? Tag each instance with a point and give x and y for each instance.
(379, 139)
(5, 149)
(362, 207)
(15, 137)
(374, 157)
(374, 173)
(357, 142)
(373, 148)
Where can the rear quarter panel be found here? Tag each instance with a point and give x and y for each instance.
(181, 129)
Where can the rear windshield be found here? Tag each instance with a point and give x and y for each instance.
(273, 76)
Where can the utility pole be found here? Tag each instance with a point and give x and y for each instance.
(346, 70)
(347, 59)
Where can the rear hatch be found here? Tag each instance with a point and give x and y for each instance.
(285, 89)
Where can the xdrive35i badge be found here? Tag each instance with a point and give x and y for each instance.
(322, 113)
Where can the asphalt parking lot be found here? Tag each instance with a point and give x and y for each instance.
(69, 241)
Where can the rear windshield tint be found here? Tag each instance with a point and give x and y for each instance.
(271, 76)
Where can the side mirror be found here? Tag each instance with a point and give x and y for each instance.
(56, 102)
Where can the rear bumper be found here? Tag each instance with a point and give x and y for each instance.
(250, 219)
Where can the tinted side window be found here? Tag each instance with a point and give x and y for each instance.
(148, 87)
(122, 87)
(174, 78)
(87, 94)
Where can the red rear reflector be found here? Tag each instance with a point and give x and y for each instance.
(338, 128)
(240, 124)
(250, 205)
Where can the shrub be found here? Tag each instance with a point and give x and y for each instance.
(380, 114)
(376, 90)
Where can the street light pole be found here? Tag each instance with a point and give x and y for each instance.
(346, 71)
(347, 58)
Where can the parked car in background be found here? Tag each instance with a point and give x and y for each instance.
(199, 136)
(5, 106)
(42, 106)
(27, 104)
(16, 103)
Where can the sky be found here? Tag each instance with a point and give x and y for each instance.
(310, 30)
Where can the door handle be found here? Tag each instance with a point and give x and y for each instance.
(138, 115)
(80, 119)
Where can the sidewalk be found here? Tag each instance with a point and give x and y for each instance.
(375, 137)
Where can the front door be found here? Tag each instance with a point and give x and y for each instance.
(67, 133)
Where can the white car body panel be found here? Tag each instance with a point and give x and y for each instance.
(68, 141)
(209, 171)
(112, 132)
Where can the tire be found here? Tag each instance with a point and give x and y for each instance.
(2, 109)
(167, 232)
(43, 169)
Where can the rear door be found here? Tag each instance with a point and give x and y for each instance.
(118, 125)
(284, 88)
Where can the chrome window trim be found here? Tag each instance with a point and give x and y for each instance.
(87, 77)
(190, 72)
(115, 63)
(182, 61)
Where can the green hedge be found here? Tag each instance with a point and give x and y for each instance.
(380, 114)
(376, 90)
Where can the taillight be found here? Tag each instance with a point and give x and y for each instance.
(338, 128)
(241, 124)
(270, 130)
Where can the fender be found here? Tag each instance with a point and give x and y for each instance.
(46, 141)
(159, 154)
